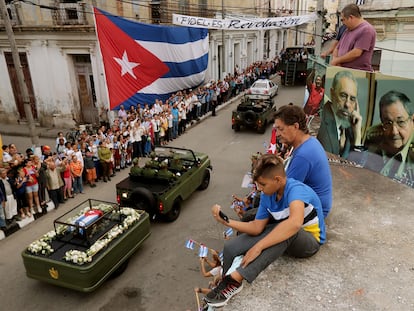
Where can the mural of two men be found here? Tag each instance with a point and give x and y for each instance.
(389, 145)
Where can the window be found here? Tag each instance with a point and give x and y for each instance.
(156, 12)
(70, 12)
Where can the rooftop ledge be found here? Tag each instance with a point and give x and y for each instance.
(366, 264)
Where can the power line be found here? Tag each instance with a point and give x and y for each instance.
(53, 8)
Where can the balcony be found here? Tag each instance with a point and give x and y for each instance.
(70, 14)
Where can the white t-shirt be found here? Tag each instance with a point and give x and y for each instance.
(216, 271)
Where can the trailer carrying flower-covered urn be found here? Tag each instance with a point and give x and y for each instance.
(89, 243)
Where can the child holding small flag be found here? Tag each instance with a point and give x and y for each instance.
(216, 271)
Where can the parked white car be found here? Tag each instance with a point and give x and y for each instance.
(263, 87)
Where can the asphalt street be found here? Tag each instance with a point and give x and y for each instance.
(365, 265)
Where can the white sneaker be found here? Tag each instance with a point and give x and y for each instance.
(32, 211)
(39, 210)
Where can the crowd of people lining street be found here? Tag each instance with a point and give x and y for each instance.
(28, 180)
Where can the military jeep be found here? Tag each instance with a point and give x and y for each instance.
(255, 112)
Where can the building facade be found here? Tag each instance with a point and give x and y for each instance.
(62, 64)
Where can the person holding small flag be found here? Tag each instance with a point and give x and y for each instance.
(216, 270)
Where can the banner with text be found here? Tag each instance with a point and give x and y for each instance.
(243, 23)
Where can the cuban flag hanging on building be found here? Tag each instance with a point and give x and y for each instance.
(144, 62)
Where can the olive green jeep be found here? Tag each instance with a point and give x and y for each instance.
(255, 112)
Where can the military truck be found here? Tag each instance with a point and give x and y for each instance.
(255, 112)
(293, 66)
(161, 193)
(89, 243)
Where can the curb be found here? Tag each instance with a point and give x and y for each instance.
(19, 224)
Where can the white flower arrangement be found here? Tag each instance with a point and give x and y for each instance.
(77, 257)
(43, 246)
(81, 258)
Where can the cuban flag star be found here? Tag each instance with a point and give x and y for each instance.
(272, 145)
(144, 62)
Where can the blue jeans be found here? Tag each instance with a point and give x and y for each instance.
(77, 184)
(301, 245)
(175, 129)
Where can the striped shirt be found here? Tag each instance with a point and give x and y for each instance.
(313, 221)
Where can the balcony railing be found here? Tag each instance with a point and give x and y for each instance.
(70, 14)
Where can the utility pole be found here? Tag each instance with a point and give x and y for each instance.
(20, 76)
(318, 28)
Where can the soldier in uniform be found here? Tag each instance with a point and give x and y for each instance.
(176, 164)
(154, 163)
(390, 145)
(135, 170)
(148, 170)
(165, 173)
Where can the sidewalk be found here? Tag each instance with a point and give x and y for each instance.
(23, 130)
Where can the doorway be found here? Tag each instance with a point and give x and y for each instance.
(18, 94)
(86, 90)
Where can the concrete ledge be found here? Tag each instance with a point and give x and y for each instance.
(366, 264)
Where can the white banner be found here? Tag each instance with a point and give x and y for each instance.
(243, 23)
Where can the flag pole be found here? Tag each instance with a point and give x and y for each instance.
(198, 300)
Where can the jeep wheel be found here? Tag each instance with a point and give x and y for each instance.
(236, 127)
(121, 269)
(143, 199)
(250, 117)
(206, 180)
(173, 214)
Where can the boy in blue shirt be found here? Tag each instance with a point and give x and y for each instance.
(298, 229)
